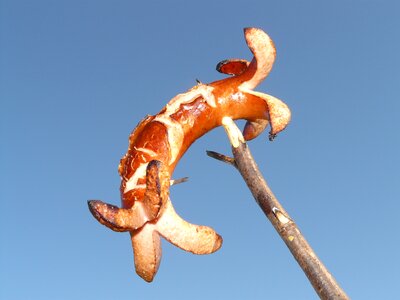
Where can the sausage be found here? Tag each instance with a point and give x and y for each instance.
(158, 142)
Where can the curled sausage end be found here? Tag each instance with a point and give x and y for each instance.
(146, 243)
(118, 219)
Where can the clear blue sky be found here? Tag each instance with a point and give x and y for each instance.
(77, 76)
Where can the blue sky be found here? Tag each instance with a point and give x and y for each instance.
(77, 76)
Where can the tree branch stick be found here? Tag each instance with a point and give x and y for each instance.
(318, 275)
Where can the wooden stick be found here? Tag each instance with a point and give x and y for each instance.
(323, 282)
